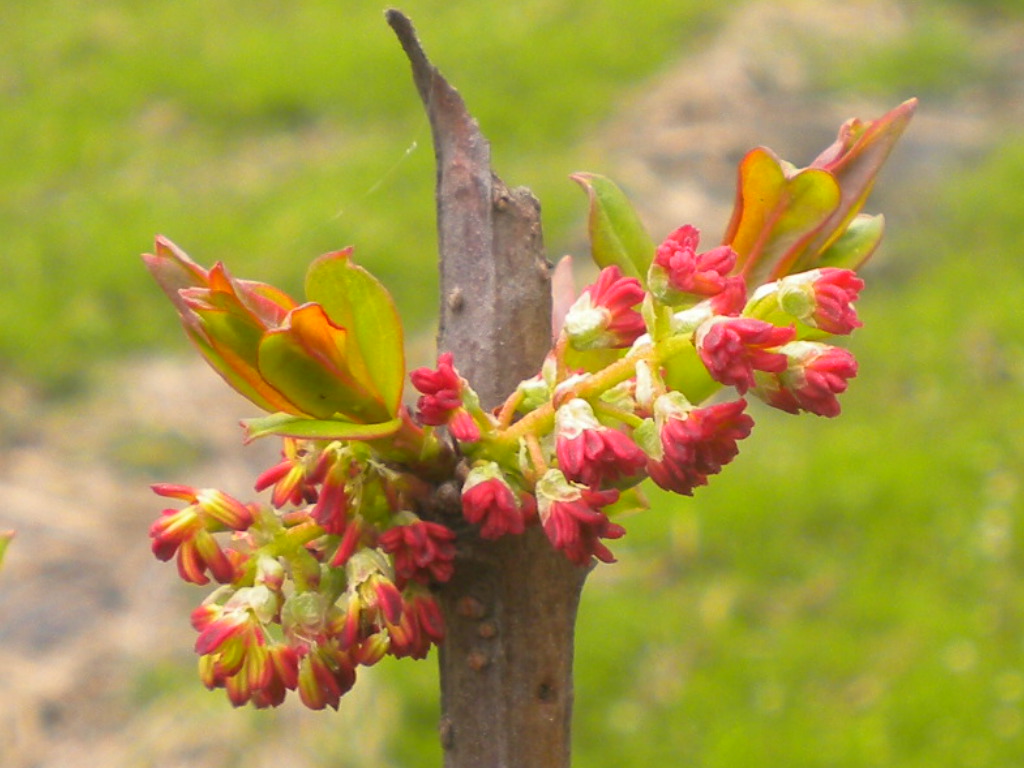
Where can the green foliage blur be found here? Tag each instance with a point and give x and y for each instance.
(265, 133)
(850, 593)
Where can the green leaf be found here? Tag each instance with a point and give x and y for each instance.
(5, 539)
(591, 360)
(354, 299)
(630, 501)
(307, 361)
(286, 425)
(856, 244)
(686, 373)
(617, 236)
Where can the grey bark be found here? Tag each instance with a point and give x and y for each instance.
(510, 609)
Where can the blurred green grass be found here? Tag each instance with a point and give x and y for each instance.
(266, 133)
(848, 594)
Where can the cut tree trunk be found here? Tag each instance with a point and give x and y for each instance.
(510, 609)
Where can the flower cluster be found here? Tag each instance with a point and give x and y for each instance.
(335, 572)
(340, 565)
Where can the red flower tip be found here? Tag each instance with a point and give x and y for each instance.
(816, 374)
(489, 501)
(591, 453)
(733, 348)
(296, 477)
(695, 442)
(573, 520)
(325, 674)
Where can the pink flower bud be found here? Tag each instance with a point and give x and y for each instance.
(679, 275)
(835, 290)
(573, 520)
(695, 442)
(489, 501)
(733, 348)
(591, 453)
(441, 388)
(815, 375)
(444, 397)
(604, 316)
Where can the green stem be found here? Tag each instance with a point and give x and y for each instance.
(541, 420)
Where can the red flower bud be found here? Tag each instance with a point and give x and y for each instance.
(733, 348)
(489, 501)
(573, 520)
(591, 453)
(695, 442)
(422, 552)
(815, 375)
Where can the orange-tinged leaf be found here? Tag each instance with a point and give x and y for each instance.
(173, 270)
(776, 214)
(229, 341)
(855, 159)
(306, 359)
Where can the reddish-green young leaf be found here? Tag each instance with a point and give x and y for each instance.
(236, 368)
(776, 214)
(173, 270)
(855, 245)
(617, 236)
(355, 300)
(307, 359)
(855, 159)
(285, 425)
(228, 335)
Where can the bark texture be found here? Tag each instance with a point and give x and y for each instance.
(506, 663)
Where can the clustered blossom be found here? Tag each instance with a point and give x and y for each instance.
(695, 442)
(444, 399)
(188, 532)
(680, 275)
(604, 316)
(341, 566)
(336, 572)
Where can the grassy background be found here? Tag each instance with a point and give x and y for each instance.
(265, 133)
(850, 596)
